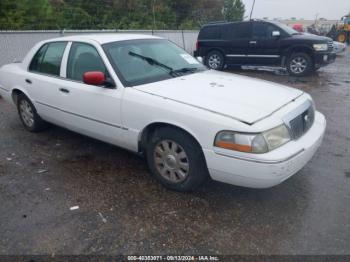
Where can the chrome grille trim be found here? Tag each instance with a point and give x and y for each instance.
(330, 46)
(300, 120)
(302, 123)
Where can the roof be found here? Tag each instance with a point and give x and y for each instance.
(105, 38)
(219, 23)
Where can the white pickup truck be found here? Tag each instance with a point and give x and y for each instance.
(147, 95)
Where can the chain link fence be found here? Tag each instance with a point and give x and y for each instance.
(14, 45)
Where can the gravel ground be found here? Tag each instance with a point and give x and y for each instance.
(124, 211)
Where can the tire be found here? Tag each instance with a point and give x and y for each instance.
(28, 115)
(300, 64)
(164, 152)
(215, 60)
(342, 37)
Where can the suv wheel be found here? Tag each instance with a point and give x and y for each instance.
(28, 115)
(300, 64)
(215, 60)
(176, 160)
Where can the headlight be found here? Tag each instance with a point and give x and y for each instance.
(321, 47)
(253, 143)
(277, 137)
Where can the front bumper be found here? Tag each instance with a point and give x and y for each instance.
(323, 59)
(267, 170)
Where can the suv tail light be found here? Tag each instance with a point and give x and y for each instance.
(197, 45)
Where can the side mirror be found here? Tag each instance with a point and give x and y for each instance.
(276, 33)
(200, 59)
(94, 78)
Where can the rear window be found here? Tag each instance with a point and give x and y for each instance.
(48, 59)
(210, 32)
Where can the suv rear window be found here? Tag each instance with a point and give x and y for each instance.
(210, 32)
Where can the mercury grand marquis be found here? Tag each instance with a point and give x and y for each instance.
(145, 94)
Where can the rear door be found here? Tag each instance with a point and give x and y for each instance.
(264, 49)
(237, 37)
(43, 80)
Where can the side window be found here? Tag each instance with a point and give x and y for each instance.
(238, 31)
(37, 59)
(261, 30)
(210, 33)
(48, 59)
(83, 58)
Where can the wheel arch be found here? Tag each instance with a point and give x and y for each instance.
(149, 130)
(297, 49)
(217, 49)
(16, 92)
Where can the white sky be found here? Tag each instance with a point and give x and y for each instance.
(307, 9)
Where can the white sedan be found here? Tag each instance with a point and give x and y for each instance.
(147, 95)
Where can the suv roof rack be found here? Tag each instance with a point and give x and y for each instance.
(216, 22)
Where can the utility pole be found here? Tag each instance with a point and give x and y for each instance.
(251, 12)
(154, 15)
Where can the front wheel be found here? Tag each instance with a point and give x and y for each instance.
(300, 64)
(215, 60)
(176, 160)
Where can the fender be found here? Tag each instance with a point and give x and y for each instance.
(18, 88)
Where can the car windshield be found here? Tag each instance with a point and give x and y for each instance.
(287, 29)
(138, 62)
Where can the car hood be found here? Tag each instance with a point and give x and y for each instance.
(243, 98)
(311, 37)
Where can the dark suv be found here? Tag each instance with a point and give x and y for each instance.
(263, 43)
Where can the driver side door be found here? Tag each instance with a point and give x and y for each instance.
(91, 110)
(264, 49)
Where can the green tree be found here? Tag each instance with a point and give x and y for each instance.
(119, 14)
(205, 11)
(37, 14)
(233, 10)
(11, 15)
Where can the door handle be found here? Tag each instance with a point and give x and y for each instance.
(64, 90)
(28, 81)
(253, 42)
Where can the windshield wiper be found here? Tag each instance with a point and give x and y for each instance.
(184, 70)
(171, 71)
(152, 61)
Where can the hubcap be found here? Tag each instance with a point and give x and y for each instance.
(171, 161)
(298, 65)
(26, 113)
(214, 61)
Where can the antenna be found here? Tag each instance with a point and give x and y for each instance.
(251, 12)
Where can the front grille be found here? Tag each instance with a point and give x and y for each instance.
(302, 123)
(330, 46)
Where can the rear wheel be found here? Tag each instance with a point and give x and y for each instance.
(215, 60)
(300, 64)
(176, 160)
(28, 115)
